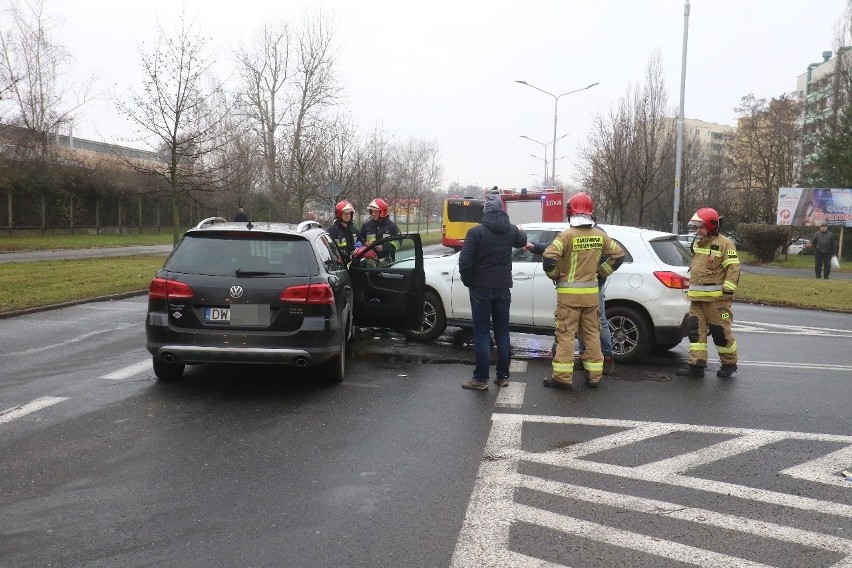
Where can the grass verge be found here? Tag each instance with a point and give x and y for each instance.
(35, 284)
(26, 285)
(795, 292)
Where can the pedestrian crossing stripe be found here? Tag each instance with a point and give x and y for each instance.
(492, 511)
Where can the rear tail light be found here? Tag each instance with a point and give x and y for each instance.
(308, 294)
(672, 279)
(165, 289)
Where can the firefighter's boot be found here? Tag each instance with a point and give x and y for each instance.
(726, 370)
(696, 370)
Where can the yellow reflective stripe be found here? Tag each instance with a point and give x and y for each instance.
(705, 287)
(730, 285)
(593, 366)
(730, 261)
(606, 268)
(576, 290)
(564, 367)
(698, 347)
(394, 244)
(701, 250)
(731, 349)
(558, 244)
(572, 270)
(699, 294)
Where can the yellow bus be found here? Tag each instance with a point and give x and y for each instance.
(460, 215)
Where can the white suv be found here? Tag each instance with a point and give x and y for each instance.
(645, 298)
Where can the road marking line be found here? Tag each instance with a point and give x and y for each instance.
(764, 529)
(129, 371)
(77, 339)
(492, 510)
(511, 396)
(794, 365)
(22, 410)
(634, 541)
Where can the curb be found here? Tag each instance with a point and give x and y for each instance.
(37, 309)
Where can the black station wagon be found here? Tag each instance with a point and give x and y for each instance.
(275, 293)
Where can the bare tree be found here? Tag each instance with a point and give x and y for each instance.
(32, 70)
(762, 155)
(264, 69)
(174, 112)
(415, 174)
(288, 85)
(653, 145)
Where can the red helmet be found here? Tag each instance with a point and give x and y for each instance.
(343, 207)
(580, 204)
(707, 218)
(379, 205)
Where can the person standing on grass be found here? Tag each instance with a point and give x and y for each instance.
(823, 243)
(485, 267)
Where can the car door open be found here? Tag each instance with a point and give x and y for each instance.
(388, 286)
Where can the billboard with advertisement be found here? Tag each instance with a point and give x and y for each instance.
(810, 206)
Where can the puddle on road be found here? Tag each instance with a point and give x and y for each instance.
(388, 349)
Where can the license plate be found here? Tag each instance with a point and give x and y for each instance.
(240, 314)
(217, 315)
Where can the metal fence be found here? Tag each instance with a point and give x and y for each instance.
(32, 213)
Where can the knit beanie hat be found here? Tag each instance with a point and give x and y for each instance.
(492, 204)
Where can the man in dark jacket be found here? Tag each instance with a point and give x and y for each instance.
(241, 216)
(823, 243)
(485, 267)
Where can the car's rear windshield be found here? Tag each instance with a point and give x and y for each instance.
(250, 255)
(671, 251)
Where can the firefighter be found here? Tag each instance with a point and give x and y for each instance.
(714, 274)
(378, 227)
(572, 262)
(343, 231)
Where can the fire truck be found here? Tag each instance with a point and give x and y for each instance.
(522, 205)
(532, 206)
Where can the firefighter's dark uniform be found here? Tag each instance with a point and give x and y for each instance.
(372, 231)
(571, 260)
(344, 236)
(713, 277)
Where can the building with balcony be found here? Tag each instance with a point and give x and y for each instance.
(824, 91)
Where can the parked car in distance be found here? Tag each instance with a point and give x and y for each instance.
(646, 300)
(799, 246)
(274, 293)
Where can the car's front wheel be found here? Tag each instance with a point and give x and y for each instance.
(167, 372)
(434, 319)
(631, 335)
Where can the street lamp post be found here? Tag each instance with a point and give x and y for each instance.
(555, 113)
(544, 145)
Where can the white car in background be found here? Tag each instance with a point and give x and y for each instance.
(646, 302)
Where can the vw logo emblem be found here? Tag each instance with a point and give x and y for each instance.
(236, 291)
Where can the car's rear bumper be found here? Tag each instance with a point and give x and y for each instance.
(183, 354)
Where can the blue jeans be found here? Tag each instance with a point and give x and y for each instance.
(490, 306)
(606, 333)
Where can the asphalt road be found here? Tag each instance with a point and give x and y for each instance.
(398, 466)
(72, 254)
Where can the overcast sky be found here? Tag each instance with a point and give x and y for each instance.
(445, 70)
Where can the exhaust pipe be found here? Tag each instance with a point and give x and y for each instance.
(301, 361)
(169, 357)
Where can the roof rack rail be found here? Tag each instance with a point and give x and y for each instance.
(305, 225)
(210, 221)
